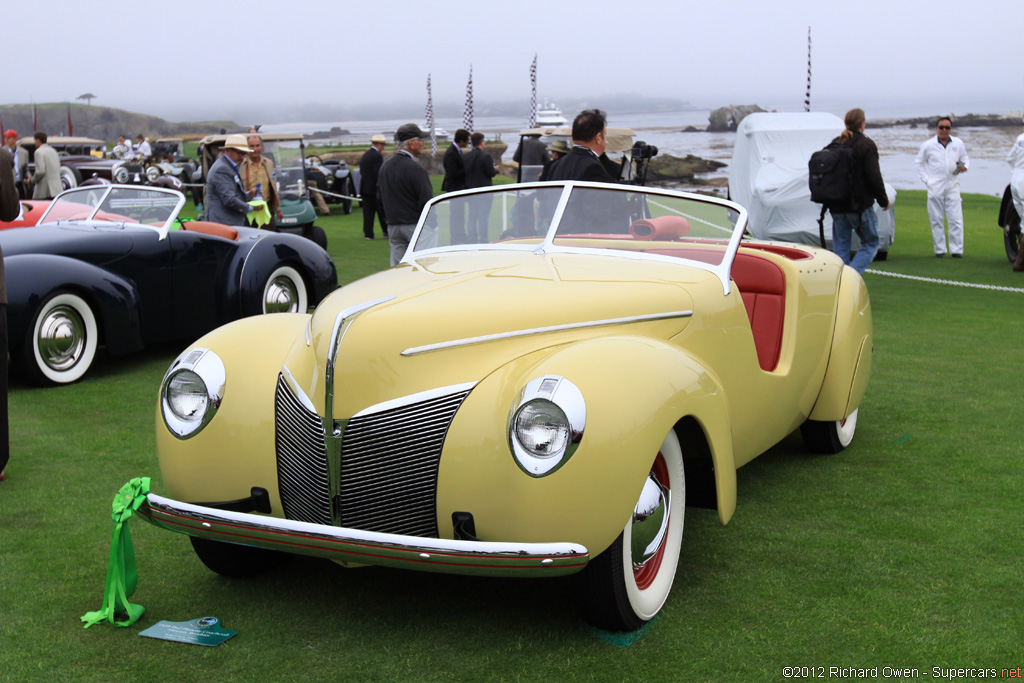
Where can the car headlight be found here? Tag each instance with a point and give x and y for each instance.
(546, 424)
(120, 174)
(152, 173)
(192, 391)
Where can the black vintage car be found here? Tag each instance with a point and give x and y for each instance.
(113, 265)
(86, 159)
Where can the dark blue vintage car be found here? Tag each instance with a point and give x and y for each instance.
(113, 265)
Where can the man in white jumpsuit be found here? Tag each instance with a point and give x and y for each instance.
(939, 163)
(1016, 161)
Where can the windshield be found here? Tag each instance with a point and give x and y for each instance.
(150, 206)
(287, 156)
(574, 216)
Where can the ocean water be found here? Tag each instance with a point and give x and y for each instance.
(897, 145)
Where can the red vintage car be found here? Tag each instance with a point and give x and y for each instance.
(31, 211)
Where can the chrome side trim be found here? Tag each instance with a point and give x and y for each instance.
(427, 348)
(450, 556)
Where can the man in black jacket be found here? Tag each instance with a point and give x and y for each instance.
(867, 187)
(369, 167)
(589, 140)
(480, 169)
(9, 210)
(590, 211)
(404, 188)
(455, 180)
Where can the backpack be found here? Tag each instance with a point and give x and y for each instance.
(831, 176)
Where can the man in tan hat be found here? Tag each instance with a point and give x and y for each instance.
(369, 168)
(226, 200)
(558, 149)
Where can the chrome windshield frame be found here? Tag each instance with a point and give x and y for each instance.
(547, 244)
(106, 191)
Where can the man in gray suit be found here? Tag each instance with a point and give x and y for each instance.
(46, 178)
(226, 200)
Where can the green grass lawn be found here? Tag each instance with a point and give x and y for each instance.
(905, 550)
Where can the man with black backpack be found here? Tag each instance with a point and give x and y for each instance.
(845, 178)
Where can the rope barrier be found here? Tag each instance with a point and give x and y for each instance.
(955, 283)
(333, 194)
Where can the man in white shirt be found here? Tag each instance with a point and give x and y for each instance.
(939, 163)
(143, 150)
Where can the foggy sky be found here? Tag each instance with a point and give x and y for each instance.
(192, 59)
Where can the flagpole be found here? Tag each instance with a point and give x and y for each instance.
(533, 93)
(430, 120)
(467, 114)
(807, 95)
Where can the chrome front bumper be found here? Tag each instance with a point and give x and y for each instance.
(365, 547)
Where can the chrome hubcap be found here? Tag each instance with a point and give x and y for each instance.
(62, 338)
(650, 522)
(281, 296)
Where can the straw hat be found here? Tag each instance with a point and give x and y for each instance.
(560, 146)
(237, 142)
(378, 138)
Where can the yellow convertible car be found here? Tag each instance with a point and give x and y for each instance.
(549, 377)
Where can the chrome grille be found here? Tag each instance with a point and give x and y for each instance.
(302, 473)
(389, 462)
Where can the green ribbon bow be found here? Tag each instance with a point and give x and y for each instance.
(122, 576)
(260, 213)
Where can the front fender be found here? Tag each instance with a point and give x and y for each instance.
(33, 277)
(849, 364)
(235, 451)
(635, 389)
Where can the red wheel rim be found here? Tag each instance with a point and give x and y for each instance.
(645, 575)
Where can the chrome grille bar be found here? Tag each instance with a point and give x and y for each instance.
(302, 471)
(389, 462)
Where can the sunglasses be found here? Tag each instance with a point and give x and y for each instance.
(945, 127)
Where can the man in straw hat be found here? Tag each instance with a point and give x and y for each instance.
(226, 200)
(369, 168)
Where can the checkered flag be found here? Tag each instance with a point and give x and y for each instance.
(807, 95)
(467, 114)
(533, 94)
(430, 120)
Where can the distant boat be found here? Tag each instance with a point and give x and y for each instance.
(550, 115)
(439, 133)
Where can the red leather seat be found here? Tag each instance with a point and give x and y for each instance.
(207, 228)
(762, 285)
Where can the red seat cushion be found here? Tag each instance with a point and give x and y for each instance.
(762, 285)
(207, 228)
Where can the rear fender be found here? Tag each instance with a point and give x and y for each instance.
(31, 278)
(849, 363)
(635, 389)
(313, 264)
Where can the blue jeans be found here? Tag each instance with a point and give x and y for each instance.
(865, 224)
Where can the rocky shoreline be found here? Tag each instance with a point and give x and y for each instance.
(728, 118)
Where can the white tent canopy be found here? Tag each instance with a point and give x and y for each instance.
(768, 175)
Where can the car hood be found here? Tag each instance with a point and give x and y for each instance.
(84, 242)
(455, 299)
